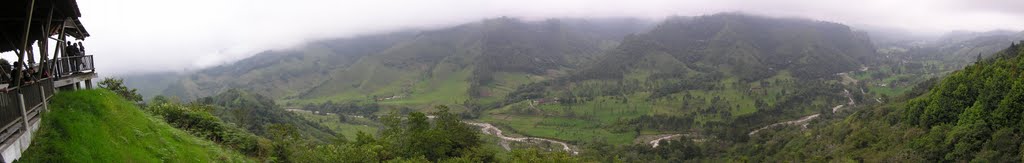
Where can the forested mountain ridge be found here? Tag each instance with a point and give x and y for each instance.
(751, 47)
(973, 114)
(980, 109)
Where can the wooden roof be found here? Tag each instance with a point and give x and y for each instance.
(13, 14)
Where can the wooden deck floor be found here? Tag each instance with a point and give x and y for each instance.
(74, 78)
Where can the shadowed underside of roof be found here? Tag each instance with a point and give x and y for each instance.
(13, 18)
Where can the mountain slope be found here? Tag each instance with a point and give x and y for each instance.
(99, 126)
(751, 47)
(281, 72)
(708, 75)
(459, 62)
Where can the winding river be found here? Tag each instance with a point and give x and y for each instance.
(489, 129)
(654, 143)
(803, 120)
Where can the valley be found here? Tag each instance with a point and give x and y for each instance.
(707, 86)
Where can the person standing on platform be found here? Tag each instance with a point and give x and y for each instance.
(72, 52)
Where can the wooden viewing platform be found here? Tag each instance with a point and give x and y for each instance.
(25, 89)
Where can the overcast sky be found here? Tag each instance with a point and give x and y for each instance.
(137, 36)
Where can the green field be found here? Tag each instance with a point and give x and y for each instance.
(598, 118)
(349, 128)
(446, 85)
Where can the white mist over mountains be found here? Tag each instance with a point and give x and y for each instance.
(141, 36)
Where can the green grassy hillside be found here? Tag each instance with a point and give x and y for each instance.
(99, 126)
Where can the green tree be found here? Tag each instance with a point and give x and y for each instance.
(416, 136)
(286, 142)
(1009, 112)
(117, 85)
(159, 99)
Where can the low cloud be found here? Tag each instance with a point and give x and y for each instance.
(138, 36)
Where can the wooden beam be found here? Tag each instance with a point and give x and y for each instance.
(23, 19)
(60, 50)
(44, 45)
(24, 44)
(30, 54)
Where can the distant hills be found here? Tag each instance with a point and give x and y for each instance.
(492, 57)
(475, 59)
(959, 46)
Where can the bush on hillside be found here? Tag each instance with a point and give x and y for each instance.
(197, 120)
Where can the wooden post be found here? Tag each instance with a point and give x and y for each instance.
(30, 54)
(42, 93)
(24, 115)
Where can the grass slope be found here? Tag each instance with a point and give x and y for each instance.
(99, 126)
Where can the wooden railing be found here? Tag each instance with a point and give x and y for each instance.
(70, 65)
(10, 114)
(20, 104)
